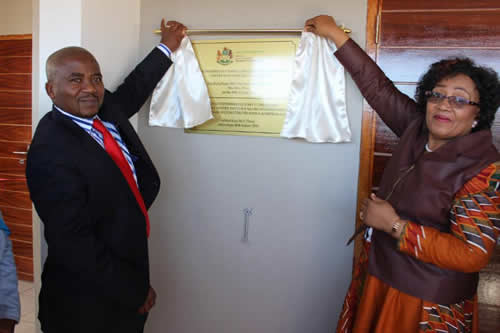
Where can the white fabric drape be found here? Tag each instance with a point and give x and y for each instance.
(317, 105)
(181, 99)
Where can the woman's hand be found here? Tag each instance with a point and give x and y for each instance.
(325, 26)
(380, 214)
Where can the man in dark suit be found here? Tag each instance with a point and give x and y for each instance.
(91, 181)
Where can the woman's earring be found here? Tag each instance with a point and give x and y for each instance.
(474, 124)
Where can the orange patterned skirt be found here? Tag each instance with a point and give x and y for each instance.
(373, 306)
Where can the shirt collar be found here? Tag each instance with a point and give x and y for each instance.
(85, 120)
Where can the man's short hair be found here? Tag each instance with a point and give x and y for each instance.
(56, 58)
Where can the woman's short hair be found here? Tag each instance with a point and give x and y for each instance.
(485, 79)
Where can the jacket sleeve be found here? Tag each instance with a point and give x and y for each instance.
(396, 109)
(475, 227)
(60, 196)
(140, 83)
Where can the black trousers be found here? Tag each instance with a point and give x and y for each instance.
(80, 314)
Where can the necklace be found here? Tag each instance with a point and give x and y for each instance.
(427, 147)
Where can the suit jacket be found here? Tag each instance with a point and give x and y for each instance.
(97, 268)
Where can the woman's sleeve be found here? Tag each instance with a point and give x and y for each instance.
(396, 109)
(475, 227)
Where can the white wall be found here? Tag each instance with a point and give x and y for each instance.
(15, 17)
(294, 273)
(110, 31)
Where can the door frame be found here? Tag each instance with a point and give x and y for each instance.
(368, 122)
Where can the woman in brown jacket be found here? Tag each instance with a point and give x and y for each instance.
(436, 217)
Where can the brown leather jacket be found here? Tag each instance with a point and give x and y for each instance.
(421, 188)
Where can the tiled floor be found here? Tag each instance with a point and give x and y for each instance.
(28, 316)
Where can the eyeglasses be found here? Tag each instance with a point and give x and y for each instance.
(455, 101)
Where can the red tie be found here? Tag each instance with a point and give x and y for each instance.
(115, 152)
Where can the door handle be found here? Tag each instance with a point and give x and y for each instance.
(20, 152)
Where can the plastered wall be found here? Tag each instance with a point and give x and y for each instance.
(293, 274)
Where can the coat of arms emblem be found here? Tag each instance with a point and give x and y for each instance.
(225, 57)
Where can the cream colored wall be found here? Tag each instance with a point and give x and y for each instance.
(15, 17)
(293, 274)
(111, 33)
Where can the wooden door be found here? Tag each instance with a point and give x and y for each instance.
(15, 136)
(405, 37)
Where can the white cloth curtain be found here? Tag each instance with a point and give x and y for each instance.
(317, 105)
(181, 99)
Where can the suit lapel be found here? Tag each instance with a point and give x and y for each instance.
(126, 131)
(76, 131)
(129, 137)
(90, 147)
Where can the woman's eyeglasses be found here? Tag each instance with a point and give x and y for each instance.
(455, 101)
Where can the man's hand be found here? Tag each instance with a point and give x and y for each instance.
(172, 34)
(149, 303)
